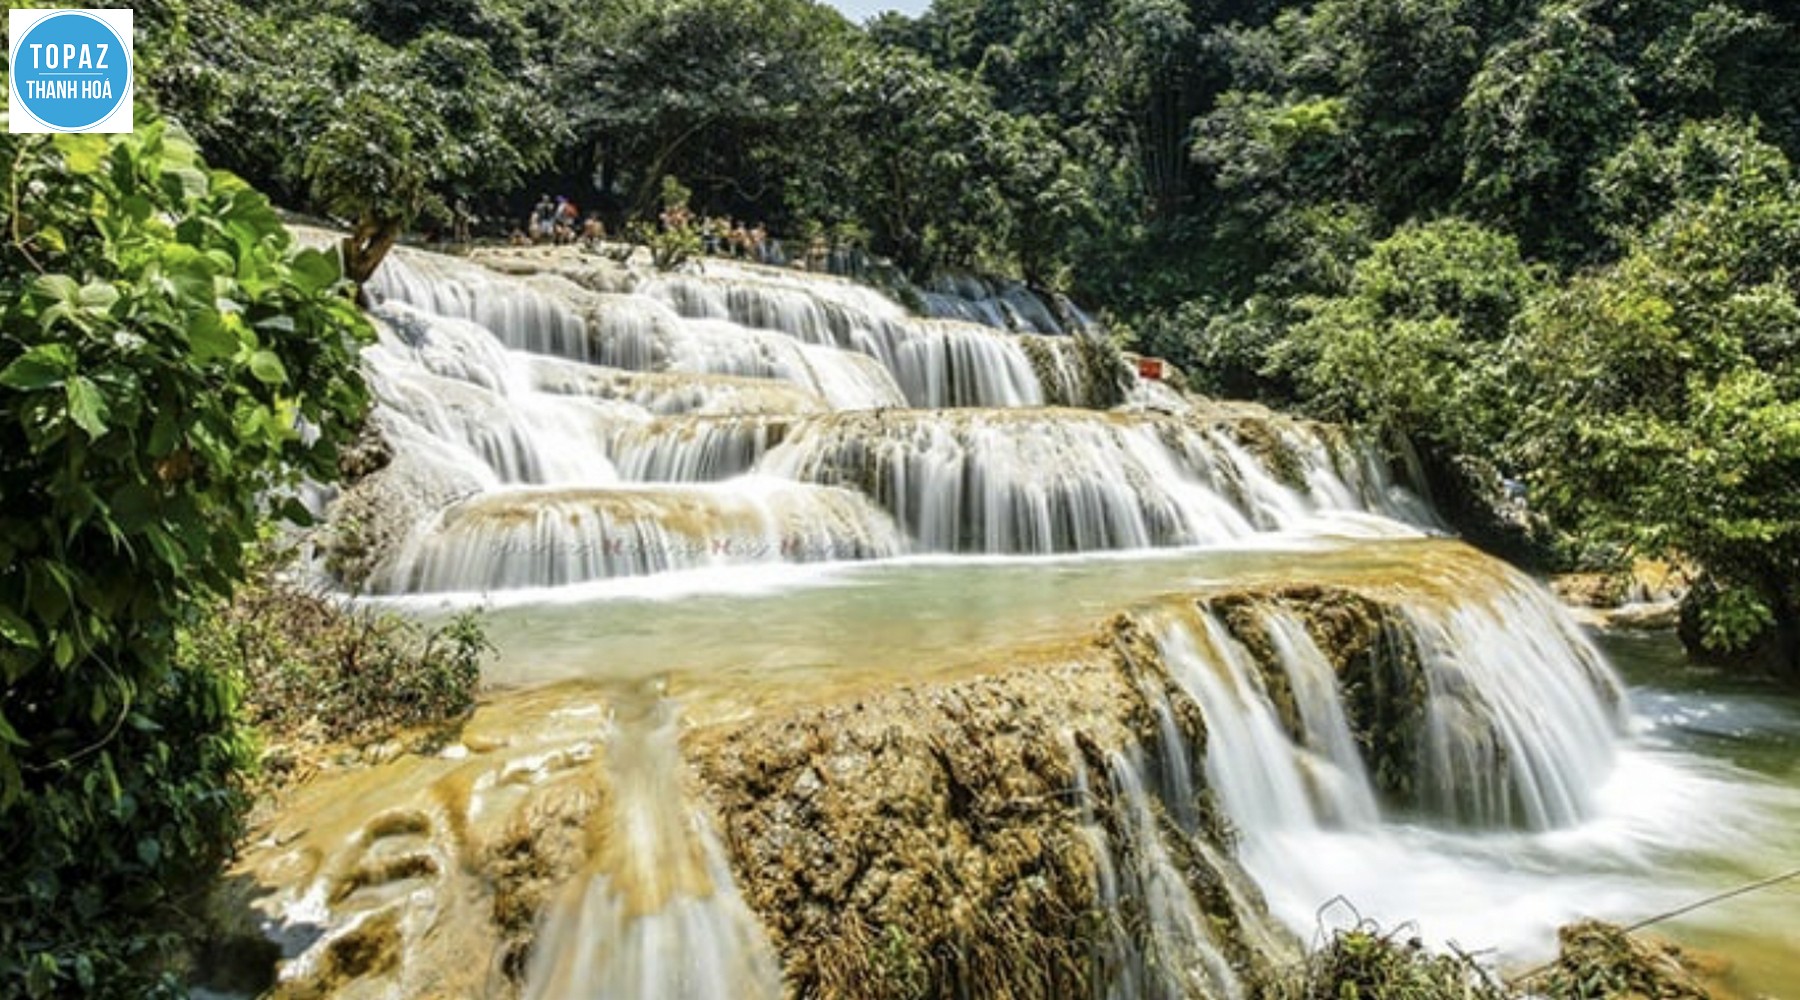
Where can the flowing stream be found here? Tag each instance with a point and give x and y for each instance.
(696, 499)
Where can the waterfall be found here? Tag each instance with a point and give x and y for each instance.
(1520, 718)
(615, 386)
(667, 394)
(1518, 723)
(1313, 715)
(695, 450)
(657, 914)
(1004, 304)
(1348, 796)
(517, 538)
(1524, 713)
(1166, 950)
(1057, 480)
(519, 315)
(451, 381)
(934, 363)
(1254, 767)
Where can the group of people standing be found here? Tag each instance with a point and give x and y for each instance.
(559, 222)
(723, 237)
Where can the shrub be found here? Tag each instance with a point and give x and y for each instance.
(316, 668)
(167, 356)
(1363, 963)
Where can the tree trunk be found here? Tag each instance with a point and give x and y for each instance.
(364, 249)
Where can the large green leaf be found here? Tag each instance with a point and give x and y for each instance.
(82, 154)
(211, 338)
(16, 630)
(42, 367)
(87, 407)
(266, 366)
(314, 271)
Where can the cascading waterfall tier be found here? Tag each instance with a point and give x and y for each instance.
(1024, 482)
(516, 313)
(1040, 481)
(1037, 807)
(1128, 809)
(1484, 706)
(553, 537)
(935, 362)
(1005, 304)
(852, 345)
(1176, 954)
(590, 377)
(582, 421)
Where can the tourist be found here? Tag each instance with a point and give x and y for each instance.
(675, 218)
(543, 220)
(460, 220)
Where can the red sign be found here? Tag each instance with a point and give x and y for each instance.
(1150, 368)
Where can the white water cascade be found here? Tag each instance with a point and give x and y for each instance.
(558, 418)
(1303, 700)
(1521, 729)
(591, 420)
(1521, 713)
(1058, 480)
(1524, 714)
(549, 538)
(1175, 956)
(936, 363)
(656, 914)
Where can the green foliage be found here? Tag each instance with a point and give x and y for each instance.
(378, 123)
(941, 178)
(1411, 344)
(168, 360)
(1544, 110)
(670, 246)
(730, 94)
(1734, 619)
(1340, 205)
(1365, 964)
(1639, 183)
(316, 668)
(1667, 408)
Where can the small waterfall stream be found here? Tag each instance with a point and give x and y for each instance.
(1328, 703)
(656, 914)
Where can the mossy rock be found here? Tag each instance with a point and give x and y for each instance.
(927, 841)
(1262, 440)
(1380, 677)
(1600, 961)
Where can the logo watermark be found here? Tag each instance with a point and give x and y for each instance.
(71, 71)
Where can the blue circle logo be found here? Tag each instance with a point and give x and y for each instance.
(71, 70)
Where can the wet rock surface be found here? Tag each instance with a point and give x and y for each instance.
(928, 841)
(934, 839)
(1379, 673)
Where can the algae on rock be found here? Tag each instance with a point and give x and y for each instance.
(928, 841)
